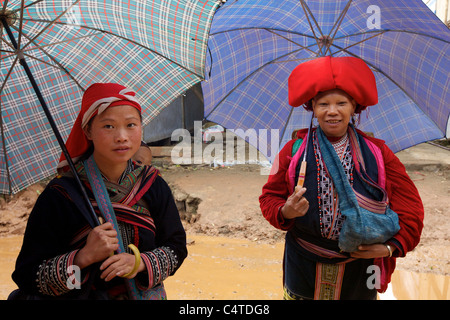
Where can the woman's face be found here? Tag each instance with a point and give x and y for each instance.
(116, 135)
(333, 110)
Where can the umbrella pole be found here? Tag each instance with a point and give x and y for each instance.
(302, 173)
(51, 121)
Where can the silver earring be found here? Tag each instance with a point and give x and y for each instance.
(355, 119)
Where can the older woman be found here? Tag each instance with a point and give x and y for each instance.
(315, 266)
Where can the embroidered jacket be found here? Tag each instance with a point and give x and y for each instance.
(402, 193)
(56, 230)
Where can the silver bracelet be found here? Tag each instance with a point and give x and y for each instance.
(390, 249)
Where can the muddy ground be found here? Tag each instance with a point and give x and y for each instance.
(221, 215)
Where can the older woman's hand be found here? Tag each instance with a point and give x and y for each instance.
(370, 251)
(296, 205)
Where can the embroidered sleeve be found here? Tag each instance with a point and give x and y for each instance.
(54, 276)
(160, 263)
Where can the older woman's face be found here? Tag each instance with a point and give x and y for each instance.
(333, 110)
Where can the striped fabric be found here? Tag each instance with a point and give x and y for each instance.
(157, 48)
(255, 45)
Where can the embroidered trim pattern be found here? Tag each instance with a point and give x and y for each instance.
(328, 281)
(161, 263)
(52, 275)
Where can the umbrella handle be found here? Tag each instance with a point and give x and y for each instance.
(302, 173)
(51, 121)
(301, 176)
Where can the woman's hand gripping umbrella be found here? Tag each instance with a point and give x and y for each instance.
(297, 205)
(302, 173)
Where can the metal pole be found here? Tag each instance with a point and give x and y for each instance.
(51, 121)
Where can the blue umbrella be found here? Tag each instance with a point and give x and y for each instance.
(157, 48)
(254, 46)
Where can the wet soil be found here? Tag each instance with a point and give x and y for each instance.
(233, 251)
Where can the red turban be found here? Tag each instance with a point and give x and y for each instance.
(349, 74)
(96, 99)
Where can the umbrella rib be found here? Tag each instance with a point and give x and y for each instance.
(45, 45)
(339, 20)
(341, 37)
(5, 155)
(386, 75)
(58, 65)
(377, 32)
(283, 37)
(19, 41)
(40, 60)
(51, 122)
(154, 52)
(306, 10)
(29, 5)
(61, 42)
(395, 30)
(6, 51)
(132, 41)
(7, 43)
(256, 28)
(5, 5)
(292, 60)
(9, 73)
(418, 33)
(359, 42)
(51, 22)
(248, 76)
(253, 72)
(338, 24)
(274, 31)
(285, 127)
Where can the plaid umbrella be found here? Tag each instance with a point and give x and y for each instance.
(255, 45)
(156, 48)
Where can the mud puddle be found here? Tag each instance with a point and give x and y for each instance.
(238, 269)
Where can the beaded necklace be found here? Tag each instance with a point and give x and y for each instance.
(339, 146)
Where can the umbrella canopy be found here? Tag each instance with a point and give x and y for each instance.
(156, 48)
(255, 45)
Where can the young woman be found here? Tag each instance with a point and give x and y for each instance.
(141, 241)
(315, 266)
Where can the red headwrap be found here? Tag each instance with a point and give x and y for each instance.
(349, 74)
(96, 99)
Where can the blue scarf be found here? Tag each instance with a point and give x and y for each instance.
(104, 203)
(367, 221)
